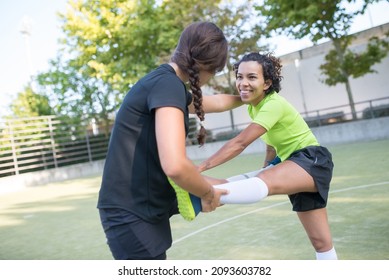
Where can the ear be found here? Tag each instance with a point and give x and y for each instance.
(268, 84)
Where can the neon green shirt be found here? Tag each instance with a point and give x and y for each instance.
(286, 129)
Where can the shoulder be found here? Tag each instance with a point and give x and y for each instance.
(166, 89)
(277, 101)
(275, 97)
(161, 79)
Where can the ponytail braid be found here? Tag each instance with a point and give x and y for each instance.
(201, 44)
(194, 82)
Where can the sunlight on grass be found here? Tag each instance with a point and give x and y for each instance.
(19, 216)
(59, 221)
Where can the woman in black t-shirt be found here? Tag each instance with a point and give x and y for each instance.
(148, 145)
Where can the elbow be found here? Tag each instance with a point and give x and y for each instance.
(240, 148)
(173, 169)
(240, 145)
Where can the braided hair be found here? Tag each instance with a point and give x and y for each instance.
(202, 46)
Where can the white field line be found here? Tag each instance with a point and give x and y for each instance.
(265, 208)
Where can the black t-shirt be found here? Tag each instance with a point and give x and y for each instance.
(133, 178)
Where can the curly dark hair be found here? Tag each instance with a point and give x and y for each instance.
(271, 66)
(202, 45)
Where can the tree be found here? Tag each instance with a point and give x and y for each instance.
(118, 41)
(107, 46)
(75, 96)
(243, 33)
(27, 105)
(30, 104)
(326, 19)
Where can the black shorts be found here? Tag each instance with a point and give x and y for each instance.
(317, 161)
(131, 238)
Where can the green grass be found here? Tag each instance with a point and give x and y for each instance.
(60, 221)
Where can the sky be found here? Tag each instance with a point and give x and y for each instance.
(21, 57)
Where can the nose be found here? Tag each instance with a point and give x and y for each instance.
(243, 82)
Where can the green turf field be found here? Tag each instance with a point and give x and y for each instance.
(60, 220)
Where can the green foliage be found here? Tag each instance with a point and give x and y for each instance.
(316, 20)
(109, 44)
(75, 95)
(30, 104)
(26, 106)
(105, 38)
(326, 19)
(243, 31)
(361, 64)
(354, 64)
(118, 41)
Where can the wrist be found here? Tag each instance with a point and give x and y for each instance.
(202, 167)
(208, 196)
(207, 165)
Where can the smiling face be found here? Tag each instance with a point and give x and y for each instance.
(250, 82)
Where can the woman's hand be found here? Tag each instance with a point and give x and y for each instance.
(211, 201)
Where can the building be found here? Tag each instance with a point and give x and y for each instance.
(302, 86)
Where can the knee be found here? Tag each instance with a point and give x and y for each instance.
(270, 182)
(321, 244)
(264, 176)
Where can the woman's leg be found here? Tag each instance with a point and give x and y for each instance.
(315, 223)
(287, 178)
(284, 178)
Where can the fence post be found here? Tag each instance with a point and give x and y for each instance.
(52, 141)
(371, 109)
(318, 117)
(15, 158)
(88, 145)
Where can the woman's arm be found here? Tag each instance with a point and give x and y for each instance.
(233, 147)
(218, 103)
(270, 155)
(170, 133)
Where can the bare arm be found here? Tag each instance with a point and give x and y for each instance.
(270, 155)
(218, 103)
(170, 133)
(233, 147)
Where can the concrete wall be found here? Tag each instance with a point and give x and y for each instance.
(341, 133)
(311, 91)
(364, 130)
(17, 182)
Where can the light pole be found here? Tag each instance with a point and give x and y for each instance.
(25, 29)
(297, 65)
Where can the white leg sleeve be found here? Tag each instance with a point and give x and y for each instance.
(244, 191)
(247, 175)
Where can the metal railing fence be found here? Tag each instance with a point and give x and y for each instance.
(40, 143)
(374, 108)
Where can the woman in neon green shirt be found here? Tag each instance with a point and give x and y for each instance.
(305, 170)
